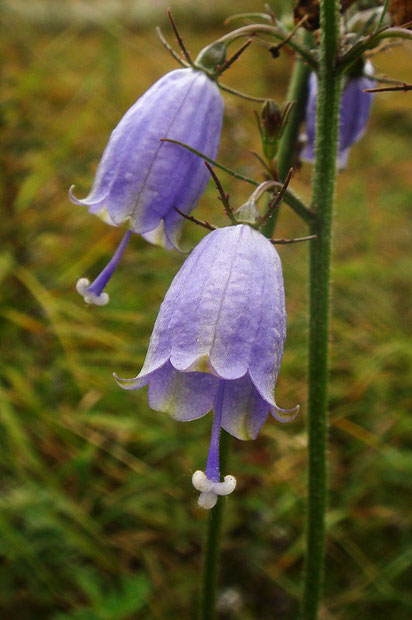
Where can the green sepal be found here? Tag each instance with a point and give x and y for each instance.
(211, 59)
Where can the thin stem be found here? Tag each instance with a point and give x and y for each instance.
(237, 175)
(297, 93)
(212, 546)
(273, 205)
(223, 196)
(290, 241)
(228, 63)
(291, 34)
(298, 206)
(179, 38)
(238, 93)
(170, 48)
(384, 11)
(327, 115)
(232, 18)
(395, 33)
(290, 198)
(389, 89)
(287, 145)
(277, 33)
(194, 220)
(370, 41)
(262, 188)
(262, 163)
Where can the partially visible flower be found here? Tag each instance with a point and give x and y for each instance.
(218, 343)
(140, 180)
(353, 116)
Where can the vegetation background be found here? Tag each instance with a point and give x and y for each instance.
(98, 517)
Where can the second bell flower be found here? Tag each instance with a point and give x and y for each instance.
(140, 180)
(353, 114)
(218, 342)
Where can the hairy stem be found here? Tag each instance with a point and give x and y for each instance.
(320, 252)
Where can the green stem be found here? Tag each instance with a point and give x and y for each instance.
(277, 33)
(327, 115)
(371, 41)
(297, 92)
(212, 547)
(293, 201)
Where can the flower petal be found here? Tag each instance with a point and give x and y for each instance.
(141, 179)
(271, 333)
(211, 325)
(184, 395)
(353, 114)
(243, 411)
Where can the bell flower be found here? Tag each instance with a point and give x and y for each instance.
(217, 344)
(353, 116)
(140, 180)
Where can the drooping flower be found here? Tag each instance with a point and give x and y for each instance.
(140, 180)
(218, 342)
(353, 116)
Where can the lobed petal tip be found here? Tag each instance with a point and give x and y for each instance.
(73, 198)
(87, 202)
(277, 413)
(127, 384)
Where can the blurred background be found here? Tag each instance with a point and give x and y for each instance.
(98, 517)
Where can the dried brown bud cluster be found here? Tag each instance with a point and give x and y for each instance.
(310, 9)
(401, 12)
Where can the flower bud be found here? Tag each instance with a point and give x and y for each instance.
(272, 122)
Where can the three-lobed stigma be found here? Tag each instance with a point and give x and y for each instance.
(210, 490)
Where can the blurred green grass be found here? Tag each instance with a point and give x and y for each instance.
(98, 518)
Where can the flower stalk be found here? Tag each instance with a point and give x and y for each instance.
(329, 81)
(297, 93)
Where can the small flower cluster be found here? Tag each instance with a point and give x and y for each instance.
(217, 343)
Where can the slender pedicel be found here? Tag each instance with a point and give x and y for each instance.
(93, 293)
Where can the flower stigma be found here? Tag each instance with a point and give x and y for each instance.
(93, 293)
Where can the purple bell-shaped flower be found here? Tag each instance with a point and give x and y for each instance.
(353, 116)
(140, 180)
(218, 342)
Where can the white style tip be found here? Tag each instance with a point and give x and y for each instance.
(82, 287)
(207, 500)
(210, 490)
